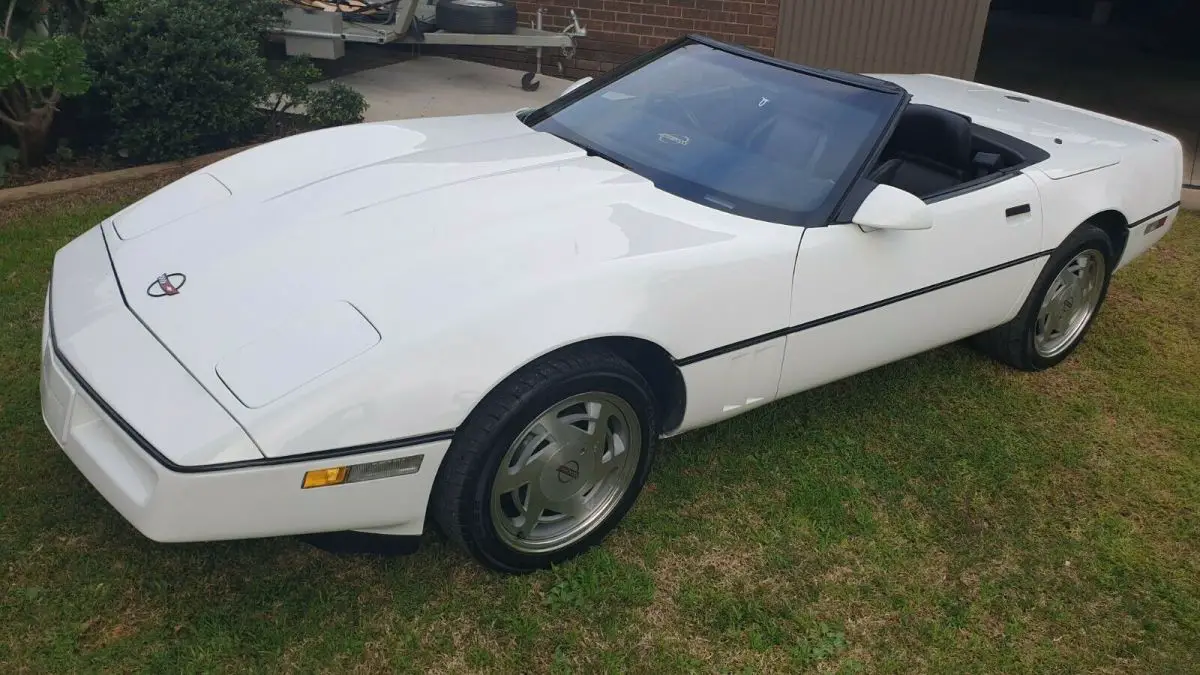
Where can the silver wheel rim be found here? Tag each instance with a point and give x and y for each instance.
(1069, 304)
(566, 472)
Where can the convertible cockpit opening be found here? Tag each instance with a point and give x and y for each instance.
(934, 151)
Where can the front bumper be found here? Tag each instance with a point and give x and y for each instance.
(112, 441)
(260, 501)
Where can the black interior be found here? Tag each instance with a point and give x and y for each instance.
(934, 151)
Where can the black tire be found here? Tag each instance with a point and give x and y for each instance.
(476, 16)
(461, 500)
(1013, 342)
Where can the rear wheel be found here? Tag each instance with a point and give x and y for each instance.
(549, 462)
(1061, 308)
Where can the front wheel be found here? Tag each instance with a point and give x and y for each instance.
(549, 462)
(1061, 308)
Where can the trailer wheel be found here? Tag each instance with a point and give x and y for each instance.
(477, 16)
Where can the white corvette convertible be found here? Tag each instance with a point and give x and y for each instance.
(487, 322)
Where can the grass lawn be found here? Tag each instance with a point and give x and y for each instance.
(943, 514)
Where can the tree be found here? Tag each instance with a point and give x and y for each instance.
(39, 65)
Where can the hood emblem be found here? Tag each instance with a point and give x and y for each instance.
(166, 284)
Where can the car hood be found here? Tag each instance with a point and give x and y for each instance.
(294, 257)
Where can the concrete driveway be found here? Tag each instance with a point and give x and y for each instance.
(433, 86)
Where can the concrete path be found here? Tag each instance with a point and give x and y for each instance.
(433, 86)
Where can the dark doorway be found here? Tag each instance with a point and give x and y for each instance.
(1133, 59)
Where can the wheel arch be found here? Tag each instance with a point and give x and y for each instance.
(658, 367)
(1098, 198)
(1116, 226)
(649, 358)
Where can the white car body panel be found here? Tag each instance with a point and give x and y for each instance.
(357, 291)
(854, 269)
(296, 352)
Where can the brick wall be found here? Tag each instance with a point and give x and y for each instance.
(621, 29)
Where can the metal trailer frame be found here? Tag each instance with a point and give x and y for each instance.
(323, 35)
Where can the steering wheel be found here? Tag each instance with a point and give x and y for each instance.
(758, 136)
(681, 111)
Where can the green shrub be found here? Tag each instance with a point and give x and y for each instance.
(289, 87)
(335, 106)
(180, 77)
(290, 82)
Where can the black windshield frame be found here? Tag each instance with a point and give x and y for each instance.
(843, 190)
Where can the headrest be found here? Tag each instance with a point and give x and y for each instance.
(934, 133)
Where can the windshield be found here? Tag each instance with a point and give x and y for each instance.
(730, 132)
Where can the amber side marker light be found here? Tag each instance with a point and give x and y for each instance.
(357, 473)
(324, 477)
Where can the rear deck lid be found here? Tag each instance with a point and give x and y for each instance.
(1078, 140)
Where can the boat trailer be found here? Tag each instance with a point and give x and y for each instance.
(322, 32)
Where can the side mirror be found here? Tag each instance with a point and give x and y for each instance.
(889, 208)
(575, 85)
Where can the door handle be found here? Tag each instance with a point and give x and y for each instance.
(1018, 211)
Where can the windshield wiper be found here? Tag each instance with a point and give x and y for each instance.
(592, 152)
